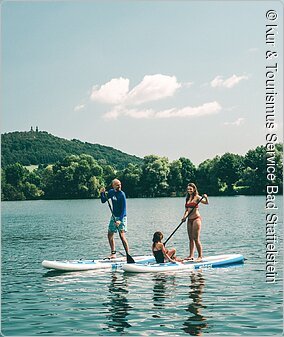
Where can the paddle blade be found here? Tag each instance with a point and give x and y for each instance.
(129, 259)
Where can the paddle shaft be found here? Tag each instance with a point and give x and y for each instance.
(184, 220)
(128, 257)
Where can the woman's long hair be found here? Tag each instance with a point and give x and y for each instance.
(195, 192)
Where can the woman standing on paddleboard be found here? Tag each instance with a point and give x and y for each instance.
(194, 219)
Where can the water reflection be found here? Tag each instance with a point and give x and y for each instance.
(117, 304)
(161, 289)
(196, 321)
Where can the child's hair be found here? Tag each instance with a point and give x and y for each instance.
(157, 237)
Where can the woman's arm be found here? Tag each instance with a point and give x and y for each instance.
(185, 215)
(205, 200)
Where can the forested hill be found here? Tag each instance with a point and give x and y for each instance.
(40, 147)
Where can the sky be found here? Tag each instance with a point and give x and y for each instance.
(171, 78)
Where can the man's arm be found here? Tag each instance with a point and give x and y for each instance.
(123, 206)
(103, 195)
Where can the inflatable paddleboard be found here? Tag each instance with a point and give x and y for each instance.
(79, 265)
(207, 262)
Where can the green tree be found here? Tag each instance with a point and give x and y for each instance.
(109, 173)
(175, 178)
(279, 166)
(19, 184)
(13, 181)
(131, 179)
(75, 177)
(15, 173)
(154, 177)
(229, 170)
(253, 177)
(188, 172)
(206, 177)
(11, 193)
(31, 191)
(43, 148)
(3, 184)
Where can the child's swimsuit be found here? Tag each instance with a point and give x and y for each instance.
(159, 256)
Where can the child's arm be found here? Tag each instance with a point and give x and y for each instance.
(166, 255)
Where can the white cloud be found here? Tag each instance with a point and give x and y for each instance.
(238, 122)
(121, 110)
(139, 114)
(153, 88)
(118, 111)
(204, 109)
(186, 112)
(113, 92)
(230, 82)
(79, 107)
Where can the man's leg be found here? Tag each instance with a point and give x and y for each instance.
(110, 236)
(124, 241)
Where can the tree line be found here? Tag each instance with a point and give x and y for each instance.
(81, 176)
(40, 147)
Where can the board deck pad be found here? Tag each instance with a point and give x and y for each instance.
(207, 262)
(143, 264)
(78, 265)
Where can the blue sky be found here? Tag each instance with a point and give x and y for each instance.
(172, 78)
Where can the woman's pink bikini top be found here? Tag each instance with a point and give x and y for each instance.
(191, 205)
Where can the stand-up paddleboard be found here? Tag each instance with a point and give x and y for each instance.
(207, 262)
(79, 265)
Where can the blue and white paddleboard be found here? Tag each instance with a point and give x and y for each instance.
(79, 265)
(207, 262)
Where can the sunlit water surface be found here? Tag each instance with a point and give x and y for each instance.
(223, 301)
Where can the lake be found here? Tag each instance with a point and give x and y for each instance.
(222, 301)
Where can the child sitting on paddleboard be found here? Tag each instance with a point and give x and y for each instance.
(160, 252)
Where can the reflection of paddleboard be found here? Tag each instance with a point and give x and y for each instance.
(73, 265)
(207, 262)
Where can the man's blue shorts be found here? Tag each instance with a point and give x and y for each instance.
(122, 227)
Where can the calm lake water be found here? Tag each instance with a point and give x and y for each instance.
(223, 301)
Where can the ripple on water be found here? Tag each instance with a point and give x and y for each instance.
(225, 301)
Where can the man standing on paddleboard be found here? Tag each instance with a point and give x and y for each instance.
(118, 221)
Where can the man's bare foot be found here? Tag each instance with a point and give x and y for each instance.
(112, 255)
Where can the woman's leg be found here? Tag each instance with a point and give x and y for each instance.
(190, 237)
(196, 228)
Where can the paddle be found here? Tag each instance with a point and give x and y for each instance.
(129, 258)
(183, 220)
